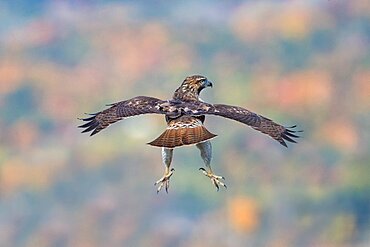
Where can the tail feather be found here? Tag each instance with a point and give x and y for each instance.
(172, 138)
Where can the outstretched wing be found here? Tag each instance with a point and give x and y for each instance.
(257, 122)
(117, 111)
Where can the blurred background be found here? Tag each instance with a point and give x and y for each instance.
(297, 62)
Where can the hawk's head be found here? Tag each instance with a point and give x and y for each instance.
(191, 87)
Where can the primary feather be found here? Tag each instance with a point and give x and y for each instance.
(185, 115)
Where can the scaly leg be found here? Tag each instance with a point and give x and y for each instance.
(166, 159)
(206, 154)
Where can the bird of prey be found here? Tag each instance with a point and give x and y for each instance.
(185, 115)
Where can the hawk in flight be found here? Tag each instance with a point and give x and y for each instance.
(185, 114)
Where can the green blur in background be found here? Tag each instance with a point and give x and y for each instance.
(297, 62)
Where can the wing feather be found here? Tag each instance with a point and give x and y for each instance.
(257, 122)
(117, 111)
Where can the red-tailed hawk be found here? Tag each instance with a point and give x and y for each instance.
(185, 115)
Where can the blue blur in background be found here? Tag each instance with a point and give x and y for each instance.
(297, 62)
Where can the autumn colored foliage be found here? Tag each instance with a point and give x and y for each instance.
(297, 62)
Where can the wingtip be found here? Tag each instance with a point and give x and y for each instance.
(282, 142)
(91, 114)
(290, 129)
(291, 134)
(287, 138)
(84, 131)
(288, 135)
(95, 131)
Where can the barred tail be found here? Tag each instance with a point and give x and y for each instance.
(172, 138)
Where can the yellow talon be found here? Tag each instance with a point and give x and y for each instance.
(214, 178)
(165, 180)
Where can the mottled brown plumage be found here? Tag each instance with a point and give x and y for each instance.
(185, 130)
(190, 88)
(117, 111)
(185, 115)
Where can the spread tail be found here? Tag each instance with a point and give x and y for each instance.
(176, 137)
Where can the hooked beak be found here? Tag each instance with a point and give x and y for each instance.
(207, 84)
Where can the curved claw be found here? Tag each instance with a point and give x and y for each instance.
(164, 181)
(214, 178)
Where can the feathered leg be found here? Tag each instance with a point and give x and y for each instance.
(166, 159)
(206, 154)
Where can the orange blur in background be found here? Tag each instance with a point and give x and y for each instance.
(297, 63)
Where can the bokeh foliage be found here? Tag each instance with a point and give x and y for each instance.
(298, 62)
